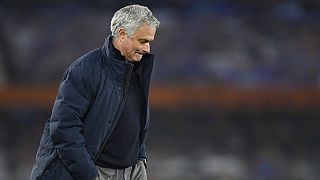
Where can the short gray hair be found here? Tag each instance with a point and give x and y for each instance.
(130, 18)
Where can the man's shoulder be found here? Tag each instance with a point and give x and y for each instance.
(92, 58)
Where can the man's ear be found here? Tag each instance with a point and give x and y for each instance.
(121, 34)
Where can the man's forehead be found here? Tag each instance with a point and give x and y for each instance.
(145, 33)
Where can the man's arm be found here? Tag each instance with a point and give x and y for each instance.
(143, 149)
(66, 124)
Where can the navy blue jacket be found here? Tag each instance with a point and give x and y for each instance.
(90, 100)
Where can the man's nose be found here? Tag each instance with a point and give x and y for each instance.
(146, 47)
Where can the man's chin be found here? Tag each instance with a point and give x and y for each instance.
(135, 60)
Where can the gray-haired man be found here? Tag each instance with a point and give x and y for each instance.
(100, 118)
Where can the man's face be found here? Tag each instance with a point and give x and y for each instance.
(134, 47)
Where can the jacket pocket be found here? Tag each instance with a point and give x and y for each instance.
(56, 170)
(41, 165)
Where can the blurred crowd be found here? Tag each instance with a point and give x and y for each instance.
(270, 145)
(193, 145)
(247, 43)
(243, 43)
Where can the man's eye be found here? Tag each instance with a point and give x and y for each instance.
(143, 42)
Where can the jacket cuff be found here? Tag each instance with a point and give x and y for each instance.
(145, 163)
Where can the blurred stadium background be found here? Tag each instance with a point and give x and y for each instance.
(235, 92)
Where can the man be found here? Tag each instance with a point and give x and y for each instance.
(100, 117)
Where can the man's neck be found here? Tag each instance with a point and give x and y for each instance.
(116, 44)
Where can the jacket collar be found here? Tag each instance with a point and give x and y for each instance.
(114, 52)
(120, 66)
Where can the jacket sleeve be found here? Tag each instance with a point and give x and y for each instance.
(66, 125)
(143, 149)
(143, 152)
